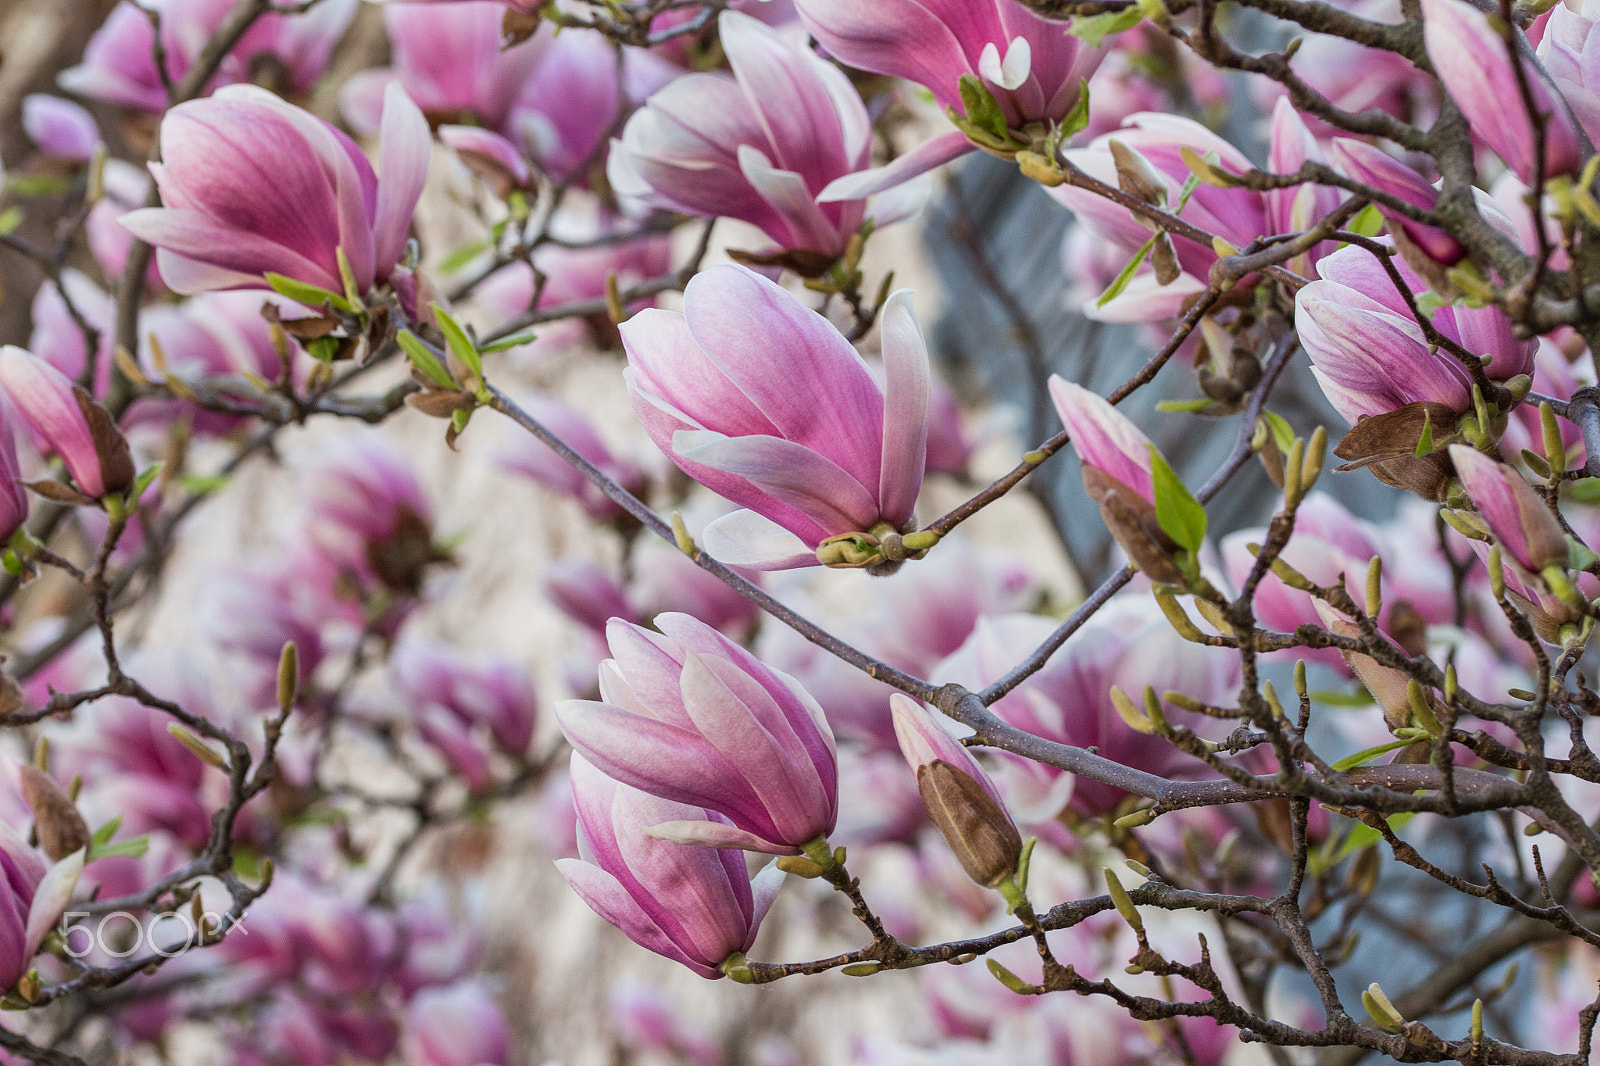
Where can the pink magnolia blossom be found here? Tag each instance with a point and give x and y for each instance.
(759, 145)
(481, 690)
(1473, 61)
(1371, 357)
(60, 128)
(696, 906)
(957, 794)
(126, 187)
(59, 339)
(253, 185)
(368, 515)
(1362, 162)
(1329, 542)
(1029, 64)
(1106, 439)
(549, 100)
(119, 64)
(448, 59)
(1238, 215)
(1127, 644)
(32, 897)
(1568, 50)
(459, 1025)
(69, 421)
(1517, 516)
(761, 400)
(688, 715)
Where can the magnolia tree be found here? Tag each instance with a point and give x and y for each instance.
(1316, 791)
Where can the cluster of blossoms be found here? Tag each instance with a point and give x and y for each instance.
(757, 603)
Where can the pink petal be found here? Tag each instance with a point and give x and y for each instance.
(908, 382)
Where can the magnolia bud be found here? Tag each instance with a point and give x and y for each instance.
(62, 830)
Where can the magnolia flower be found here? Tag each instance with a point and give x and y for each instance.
(693, 905)
(32, 897)
(759, 145)
(1117, 463)
(476, 691)
(368, 516)
(1299, 207)
(688, 715)
(1127, 644)
(1371, 166)
(1330, 542)
(957, 794)
(60, 128)
(119, 64)
(761, 400)
(1517, 516)
(69, 421)
(1155, 144)
(1371, 357)
(1573, 62)
(1032, 68)
(459, 1025)
(59, 340)
(550, 100)
(13, 497)
(252, 184)
(1473, 60)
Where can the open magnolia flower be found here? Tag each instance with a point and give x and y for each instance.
(759, 146)
(761, 400)
(1005, 74)
(253, 185)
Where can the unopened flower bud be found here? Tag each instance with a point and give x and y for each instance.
(958, 795)
(1519, 519)
(1381, 1010)
(61, 828)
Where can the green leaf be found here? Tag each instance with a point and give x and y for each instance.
(10, 219)
(425, 360)
(107, 831)
(462, 256)
(982, 109)
(1332, 698)
(516, 340)
(1199, 403)
(1363, 836)
(1282, 432)
(1361, 758)
(322, 349)
(1192, 182)
(303, 293)
(347, 277)
(143, 482)
(1095, 28)
(1428, 302)
(1585, 490)
(1425, 442)
(1179, 514)
(202, 484)
(132, 849)
(1368, 222)
(459, 342)
(37, 185)
(1120, 282)
(1076, 119)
